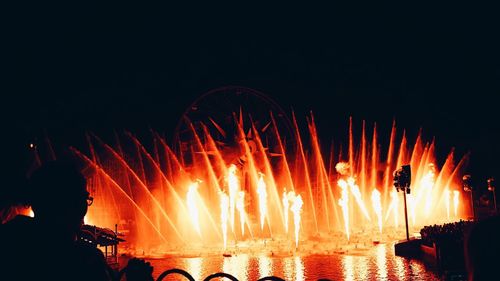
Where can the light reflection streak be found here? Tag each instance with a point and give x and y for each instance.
(288, 268)
(236, 266)
(299, 269)
(194, 267)
(265, 266)
(399, 269)
(381, 262)
(362, 268)
(348, 268)
(416, 269)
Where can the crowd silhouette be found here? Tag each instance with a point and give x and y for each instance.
(473, 246)
(448, 232)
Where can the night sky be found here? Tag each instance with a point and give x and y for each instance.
(76, 69)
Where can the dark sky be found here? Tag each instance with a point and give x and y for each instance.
(76, 68)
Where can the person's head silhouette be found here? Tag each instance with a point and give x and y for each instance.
(58, 196)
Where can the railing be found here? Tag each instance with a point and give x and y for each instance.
(188, 276)
(211, 276)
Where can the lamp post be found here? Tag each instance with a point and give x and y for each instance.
(467, 185)
(491, 187)
(402, 181)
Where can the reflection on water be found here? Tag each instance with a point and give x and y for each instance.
(355, 267)
(381, 254)
(348, 268)
(265, 266)
(236, 266)
(400, 269)
(293, 269)
(299, 269)
(378, 263)
(288, 268)
(415, 269)
(194, 267)
(362, 268)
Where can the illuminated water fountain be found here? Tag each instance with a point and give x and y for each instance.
(216, 195)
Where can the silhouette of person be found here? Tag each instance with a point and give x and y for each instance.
(482, 248)
(46, 247)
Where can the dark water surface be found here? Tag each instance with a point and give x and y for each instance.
(378, 263)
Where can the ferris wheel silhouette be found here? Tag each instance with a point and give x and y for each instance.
(221, 110)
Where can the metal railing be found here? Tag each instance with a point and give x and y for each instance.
(187, 276)
(215, 275)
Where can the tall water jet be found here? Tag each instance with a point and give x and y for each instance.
(428, 184)
(344, 203)
(388, 164)
(363, 169)
(357, 195)
(374, 162)
(455, 202)
(240, 206)
(285, 209)
(394, 207)
(377, 207)
(224, 217)
(296, 208)
(192, 203)
(447, 202)
(232, 182)
(306, 171)
(261, 190)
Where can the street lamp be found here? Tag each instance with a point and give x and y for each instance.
(402, 181)
(491, 187)
(467, 186)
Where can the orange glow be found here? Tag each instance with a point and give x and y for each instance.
(447, 202)
(224, 208)
(154, 194)
(410, 199)
(427, 185)
(285, 209)
(394, 207)
(455, 202)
